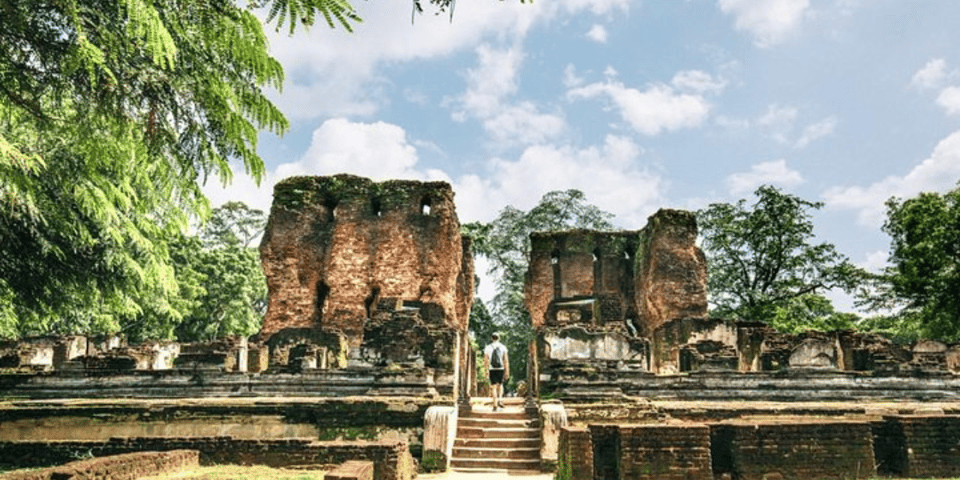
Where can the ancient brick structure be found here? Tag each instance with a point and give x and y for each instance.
(794, 450)
(128, 466)
(596, 298)
(391, 459)
(365, 273)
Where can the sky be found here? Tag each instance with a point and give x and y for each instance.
(640, 104)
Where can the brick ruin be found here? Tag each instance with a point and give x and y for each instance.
(620, 313)
(366, 274)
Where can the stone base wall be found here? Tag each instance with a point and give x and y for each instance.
(800, 451)
(919, 446)
(807, 450)
(392, 460)
(129, 466)
(653, 452)
(575, 454)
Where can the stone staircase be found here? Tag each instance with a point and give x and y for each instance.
(505, 440)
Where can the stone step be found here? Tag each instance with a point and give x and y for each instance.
(496, 464)
(498, 442)
(505, 414)
(475, 432)
(498, 422)
(497, 453)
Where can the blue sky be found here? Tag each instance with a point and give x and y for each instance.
(640, 104)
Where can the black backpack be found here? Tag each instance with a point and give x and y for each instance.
(496, 358)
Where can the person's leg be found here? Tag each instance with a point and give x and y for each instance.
(496, 391)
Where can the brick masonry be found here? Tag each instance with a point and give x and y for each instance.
(129, 466)
(391, 459)
(920, 446)
(801, 450)
(575, 454)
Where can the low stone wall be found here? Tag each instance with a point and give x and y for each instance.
(575, 454)
(635, 452)
(419, 382)
(392, 460)
(756, 450)
(129, 466)
(655, 452)
(921, 446)
(802, 451)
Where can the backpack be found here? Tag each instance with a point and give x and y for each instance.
(496, 358)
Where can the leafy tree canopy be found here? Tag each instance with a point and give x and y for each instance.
(923, 281)
(505, 242)
(112, 114)
(761, 262)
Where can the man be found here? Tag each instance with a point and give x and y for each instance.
(497, 363)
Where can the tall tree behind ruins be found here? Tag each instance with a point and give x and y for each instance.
(763, 267)
(921, 285)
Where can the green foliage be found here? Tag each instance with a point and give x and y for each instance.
(923, 282)
(112, 115)
(505, 241)
(811, 312)
(762, 265)
(221, 287)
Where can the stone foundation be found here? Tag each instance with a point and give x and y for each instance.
(392, 460)
(128, 466)
(915, 446)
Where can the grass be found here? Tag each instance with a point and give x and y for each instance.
(232, 472)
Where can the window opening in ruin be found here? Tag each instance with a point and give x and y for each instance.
(425, 206)
(370, 303)
(377, 207)
(331, 205)
(597, 271)
(323, 291)
(555, 262)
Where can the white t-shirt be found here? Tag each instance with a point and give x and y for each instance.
(488, 352)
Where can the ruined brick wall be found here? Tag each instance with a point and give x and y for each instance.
(671, 270)
(336, 247)
(920, 446)
(574, 454)
(581, 277)
(654, 452)
(129, 466)
(801, 451)
(392, 459)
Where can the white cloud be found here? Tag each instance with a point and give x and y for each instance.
(522, 124)
(817, 130)
(697, 81)
(570, 77)
(607, 174)
(488, 87)
(930, 75)
(651, 111)
(597, 33)
(768, 21)
(332, 72)
(775, 172)
(875, 261)
(949, 99)
(379, 150)
(939, 172)
(778, 122)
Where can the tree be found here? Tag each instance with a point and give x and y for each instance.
(112, 115)
(760, 258)
(923, 281)
(505, 241)
(221, 286)
(811, 312)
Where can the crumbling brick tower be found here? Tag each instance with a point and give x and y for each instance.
(376, 272)
(595, 298)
